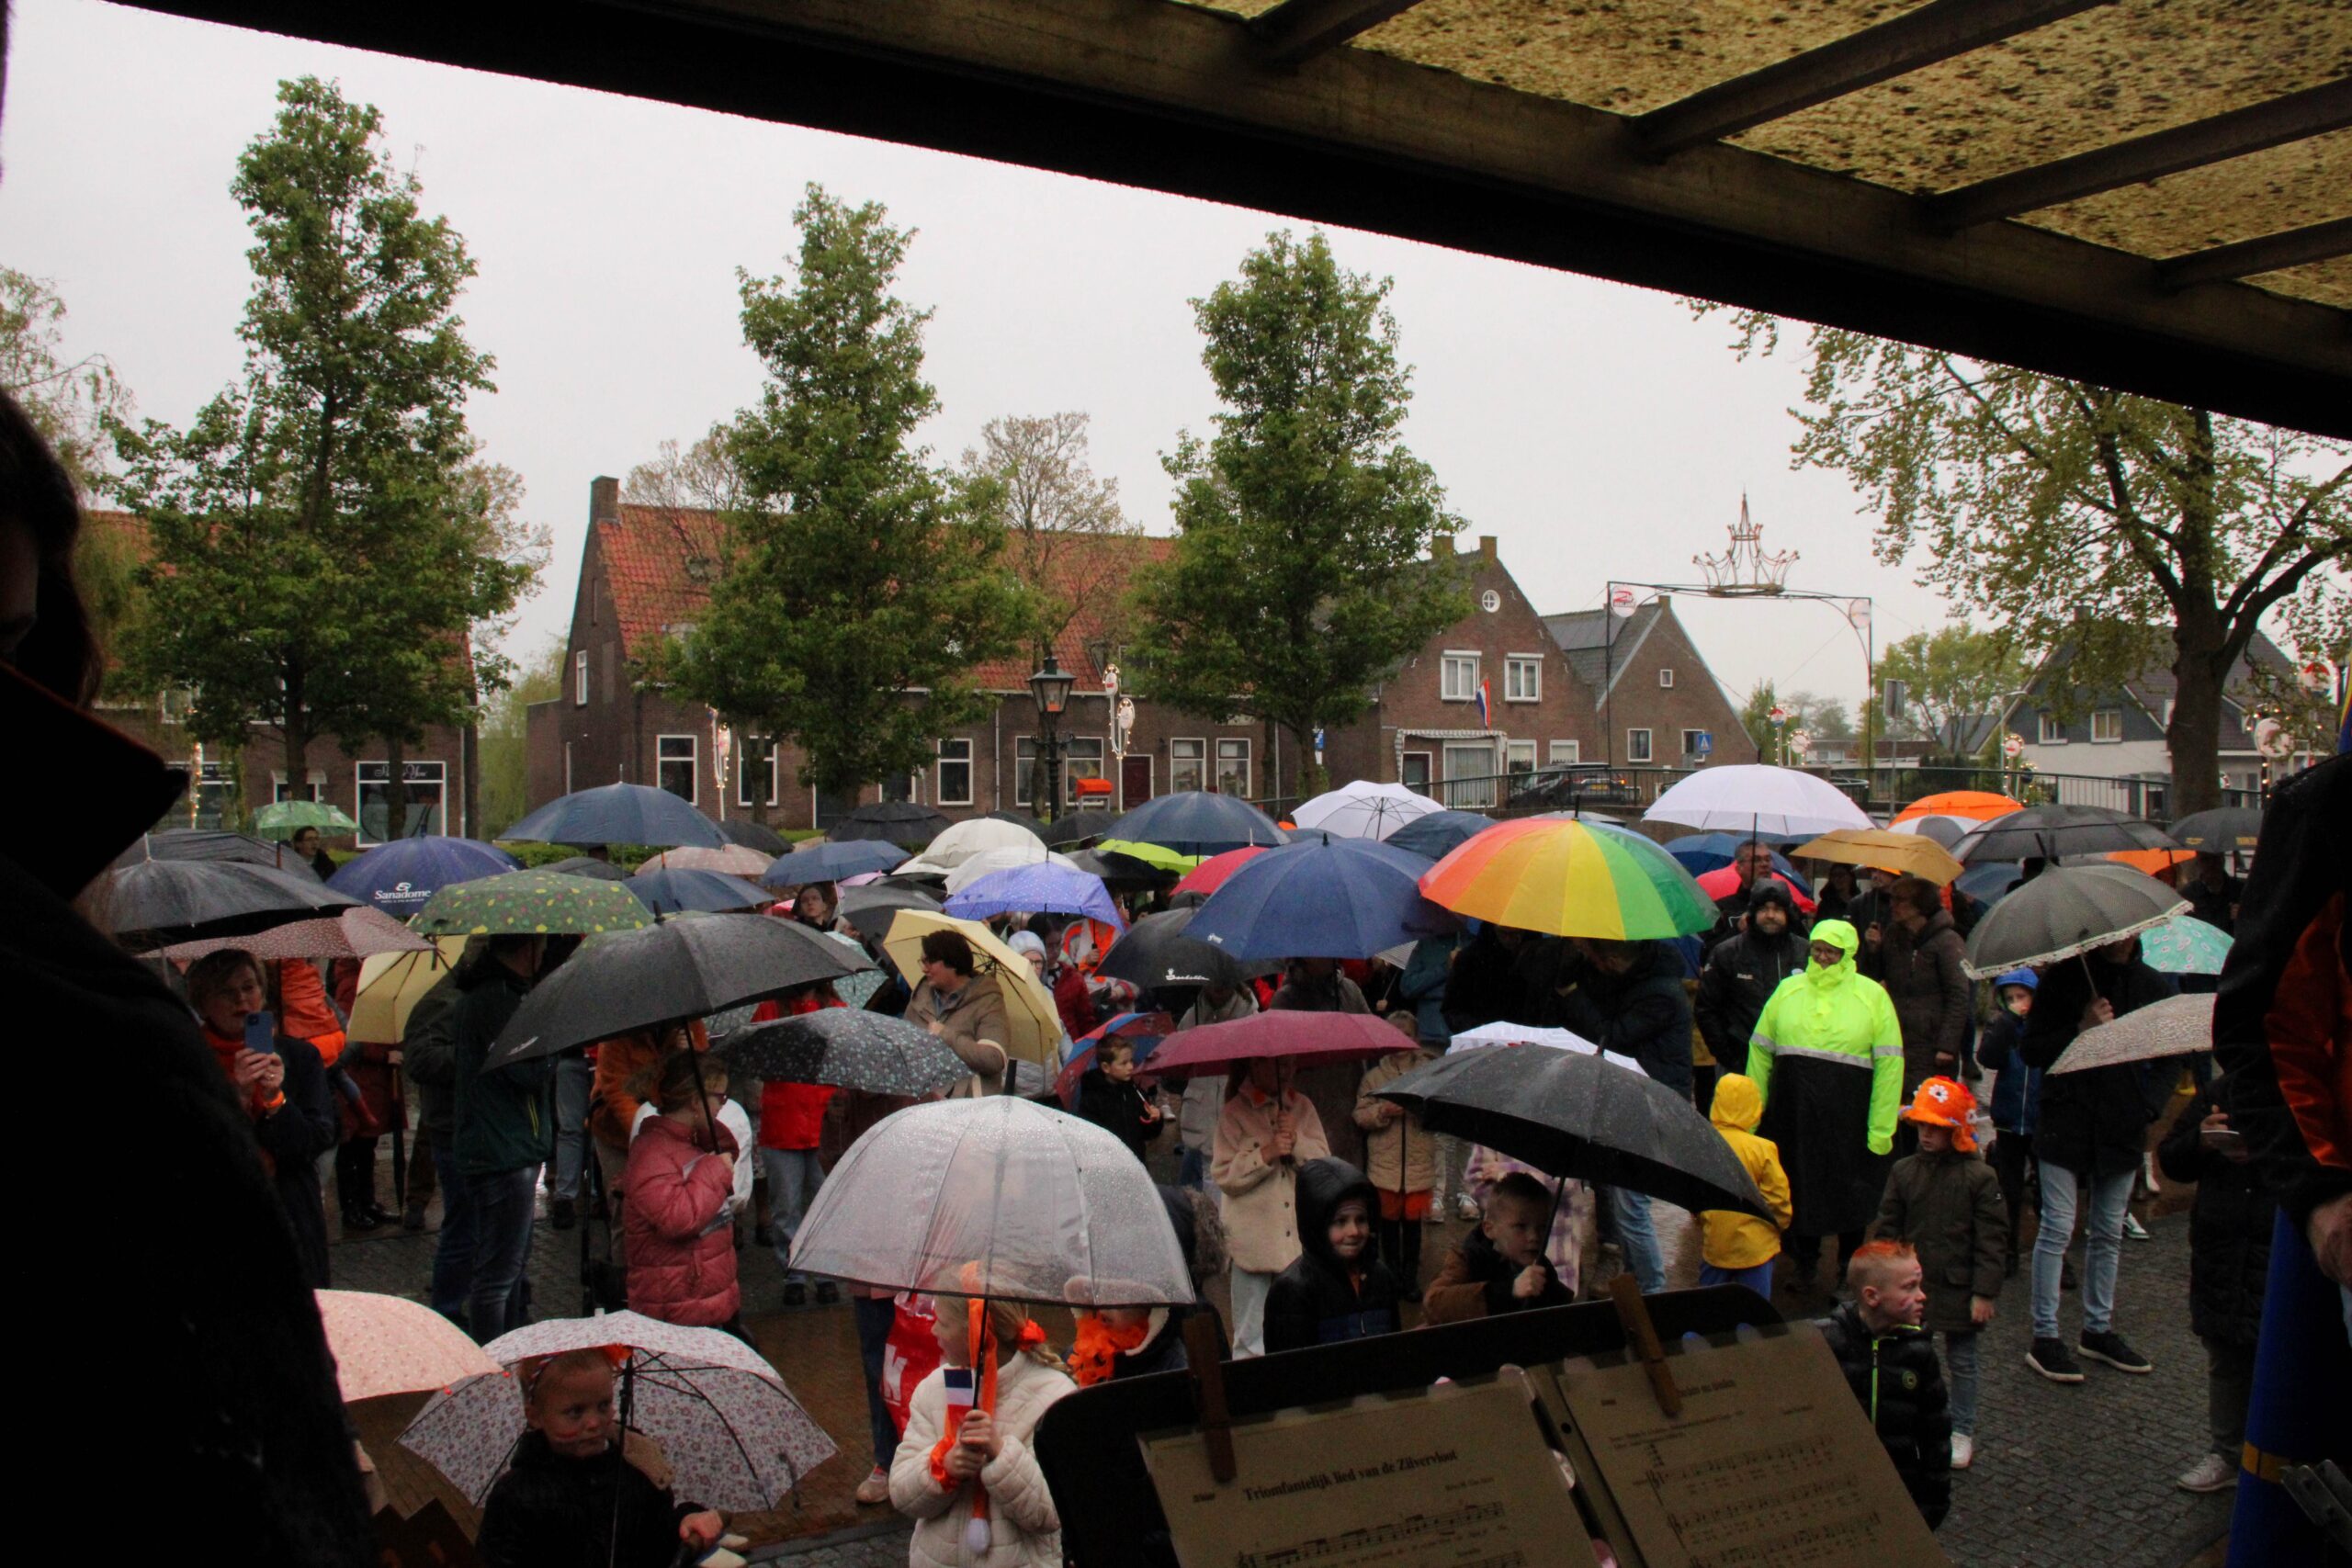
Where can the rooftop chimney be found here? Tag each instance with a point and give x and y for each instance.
(604, 500)
(1487, 548)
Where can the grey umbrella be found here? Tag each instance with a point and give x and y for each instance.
(2046, 832)
(753, 835)
(153, 903)
(1156, 951)
(586, 865)
(847, 1048)
(2219, 830)
(870, 908)
(617, 814)
(2066, 912)
(211, 843)
(894, 822)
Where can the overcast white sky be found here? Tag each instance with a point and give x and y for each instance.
(1596, 429)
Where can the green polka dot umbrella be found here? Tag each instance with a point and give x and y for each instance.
(524, 902)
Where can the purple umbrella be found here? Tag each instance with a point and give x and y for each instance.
(1041, 889)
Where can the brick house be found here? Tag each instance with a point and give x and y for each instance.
(1649, 688)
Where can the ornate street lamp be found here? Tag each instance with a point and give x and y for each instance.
(1050, 688)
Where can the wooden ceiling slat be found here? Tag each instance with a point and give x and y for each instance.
(2293, 118)
(1933, 32)
(2290, 247)
(1296, 31)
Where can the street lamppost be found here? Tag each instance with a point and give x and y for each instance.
(1050, 689)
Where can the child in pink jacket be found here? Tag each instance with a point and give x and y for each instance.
(681, 1174)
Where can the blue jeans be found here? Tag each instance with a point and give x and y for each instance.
(575, 1086)
(1756, 1277)
(794, 1176)
(873, 1319)
(1638, 1238)
(2062, 1192)
(504, 1203)
(1192, 1167)
(453, 1255)
(1959, 1378)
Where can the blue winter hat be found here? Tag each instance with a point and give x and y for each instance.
(2024, 977)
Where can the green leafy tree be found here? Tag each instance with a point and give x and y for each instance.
(860, 586)
(324, 540)
(2116, 529)
(1302, 571)
(1951, 676)
(505, 733)
(1755, 718)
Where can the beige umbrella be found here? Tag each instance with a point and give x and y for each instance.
(1910, 854)
(735, 860)
(1035, 1023)
(390, 1345)
(2177, 1026)
(391, 983)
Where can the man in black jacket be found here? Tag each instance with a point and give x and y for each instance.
(1338, 1288)
(2229, 1264)
(1741, 975)
(1629, 997)
(1890, 1363)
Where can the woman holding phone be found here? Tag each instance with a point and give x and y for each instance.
(282, 1086)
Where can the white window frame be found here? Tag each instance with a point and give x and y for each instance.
(693, 759)
(1641, 751)
(943, 761)
(1528, 666)
(1518, 757)
(1429, 770)
(1471, 800)
(580, 678)
(1452, 660)
(1178, 761)
(278, 786)
(1566, 753)
(1248, 758)
(2115, 714)
(2050, 731)
(743, 774)
(1664, 680)
(422, 771)
(1690, 741)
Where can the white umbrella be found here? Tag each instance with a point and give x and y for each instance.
(1751, 797)
(965, 840)
(1504, 1032)
(2177, 1026)
(1362, 810)
(971, 868)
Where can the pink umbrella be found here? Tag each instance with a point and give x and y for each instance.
(735, 860)
(360, 932)
(1322, 1036)
(1724, 881)
(1210, 874)
(390, 1345)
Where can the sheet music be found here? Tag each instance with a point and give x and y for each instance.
(1458, 1476)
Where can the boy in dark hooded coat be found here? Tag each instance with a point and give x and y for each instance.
(1338, 1288)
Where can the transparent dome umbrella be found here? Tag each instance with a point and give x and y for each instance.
(999, 1198)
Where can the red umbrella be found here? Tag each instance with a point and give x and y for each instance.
(1210, 874)
(1324, 1036)
(1724, 881)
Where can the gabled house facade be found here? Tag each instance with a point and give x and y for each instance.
(1654, 701)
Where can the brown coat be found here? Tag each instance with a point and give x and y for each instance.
(1948, 1207)
(975, 1028)
(1398, 1156)
(1930, 992)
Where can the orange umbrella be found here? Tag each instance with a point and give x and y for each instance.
(2155, 863)
(1977, 804)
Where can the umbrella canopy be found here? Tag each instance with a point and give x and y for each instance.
(1363, 810)
(2067, 910)
(1319, 1037)
(1210, 874)
(588, 867)
(616, 814)
(995, 1197)
(1944, 830)
(753, 835)
(1320, 897)
(973, 867)
(1158, 950)
(400, 876)
(526, 902)
(350, 933)
(1910, 854)
(149, 903)
(1702, 853)
(1155, 858)
(1756, 798)
(1143, 1031)
(1035, 890)
(727, 860)
(1576, 1114)
(848, 1048)
(1967, 804)
(391, 983)
(965, 840)
(1077, 827)
(1030, 1017)
(1439, 833)
(1989, 882)
(1724, 881)
(1570, 879)
(733, 1433)
(2177, 1026)
(629, 980)
(871, 908)
(390, 1345)
(2047, 832)
(2185, 945)
(2154, 863)
(676, 890)
(891, 821)
(1195, 822)
(212, 843)
(831, 863)
(1502, 1031)
(2219, 830)
(284, 818)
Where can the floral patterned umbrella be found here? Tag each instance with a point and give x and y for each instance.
(734, 1435)
(354, 933)
(2185, 945)
(390, 1345)
(527, 902)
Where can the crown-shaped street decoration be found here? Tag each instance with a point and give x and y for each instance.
(1745, 570)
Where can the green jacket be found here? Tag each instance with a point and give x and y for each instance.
(505, 1119)
(1948, 1207)
(1831, 1013)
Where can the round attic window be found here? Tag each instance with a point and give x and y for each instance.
(1491, 601)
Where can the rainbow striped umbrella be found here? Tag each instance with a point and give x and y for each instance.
(1570, 879)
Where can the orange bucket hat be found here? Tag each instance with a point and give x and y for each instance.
(1945, 1103)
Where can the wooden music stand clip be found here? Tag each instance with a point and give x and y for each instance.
(1642, 1341)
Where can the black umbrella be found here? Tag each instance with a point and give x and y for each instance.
(1571, 1113)
(893, 821)
(848, 1048)
(208, 843)
(617, 814)
(1123, 873)
(1022, 820)
(623, 981)
(584, 865)
(154, 903)
(2046, 832)
(1155, 952)
(1076, 827)
(870, 908)
(753, 835)
(2066, 912)
(2219, 830)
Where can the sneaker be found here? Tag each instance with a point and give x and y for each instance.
(876, 1487)
(2213, 1473)
(2049, 1357)
(2109, 1347)
(1465, 1207)
(1963, 1450)
(2132, 1227)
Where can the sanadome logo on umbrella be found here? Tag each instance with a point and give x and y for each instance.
(403, 893)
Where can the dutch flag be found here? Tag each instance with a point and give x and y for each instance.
(1486, 711)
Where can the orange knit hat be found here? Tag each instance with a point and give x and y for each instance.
(1945, 1103)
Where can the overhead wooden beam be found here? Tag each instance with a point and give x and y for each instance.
(1301, 30)
(2289, 247)
(2311, 112)
(1935, 31)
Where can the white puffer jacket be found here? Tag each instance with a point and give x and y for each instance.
(1024, 1530)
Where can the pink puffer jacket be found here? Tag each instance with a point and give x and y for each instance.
(681, 1249)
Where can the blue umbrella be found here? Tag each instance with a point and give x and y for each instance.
(1439, 834)
(1195, 822)
(400, 876)
(1990, 883)
(617, 814)
(1041, 889)
(671, 890)
(833, 863)
(1321, 898)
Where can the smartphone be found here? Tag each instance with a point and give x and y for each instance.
(261, 1032)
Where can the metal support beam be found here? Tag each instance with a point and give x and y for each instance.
(2289, 247)
(2311, 112)
(1300, 30)
(1935, 31)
